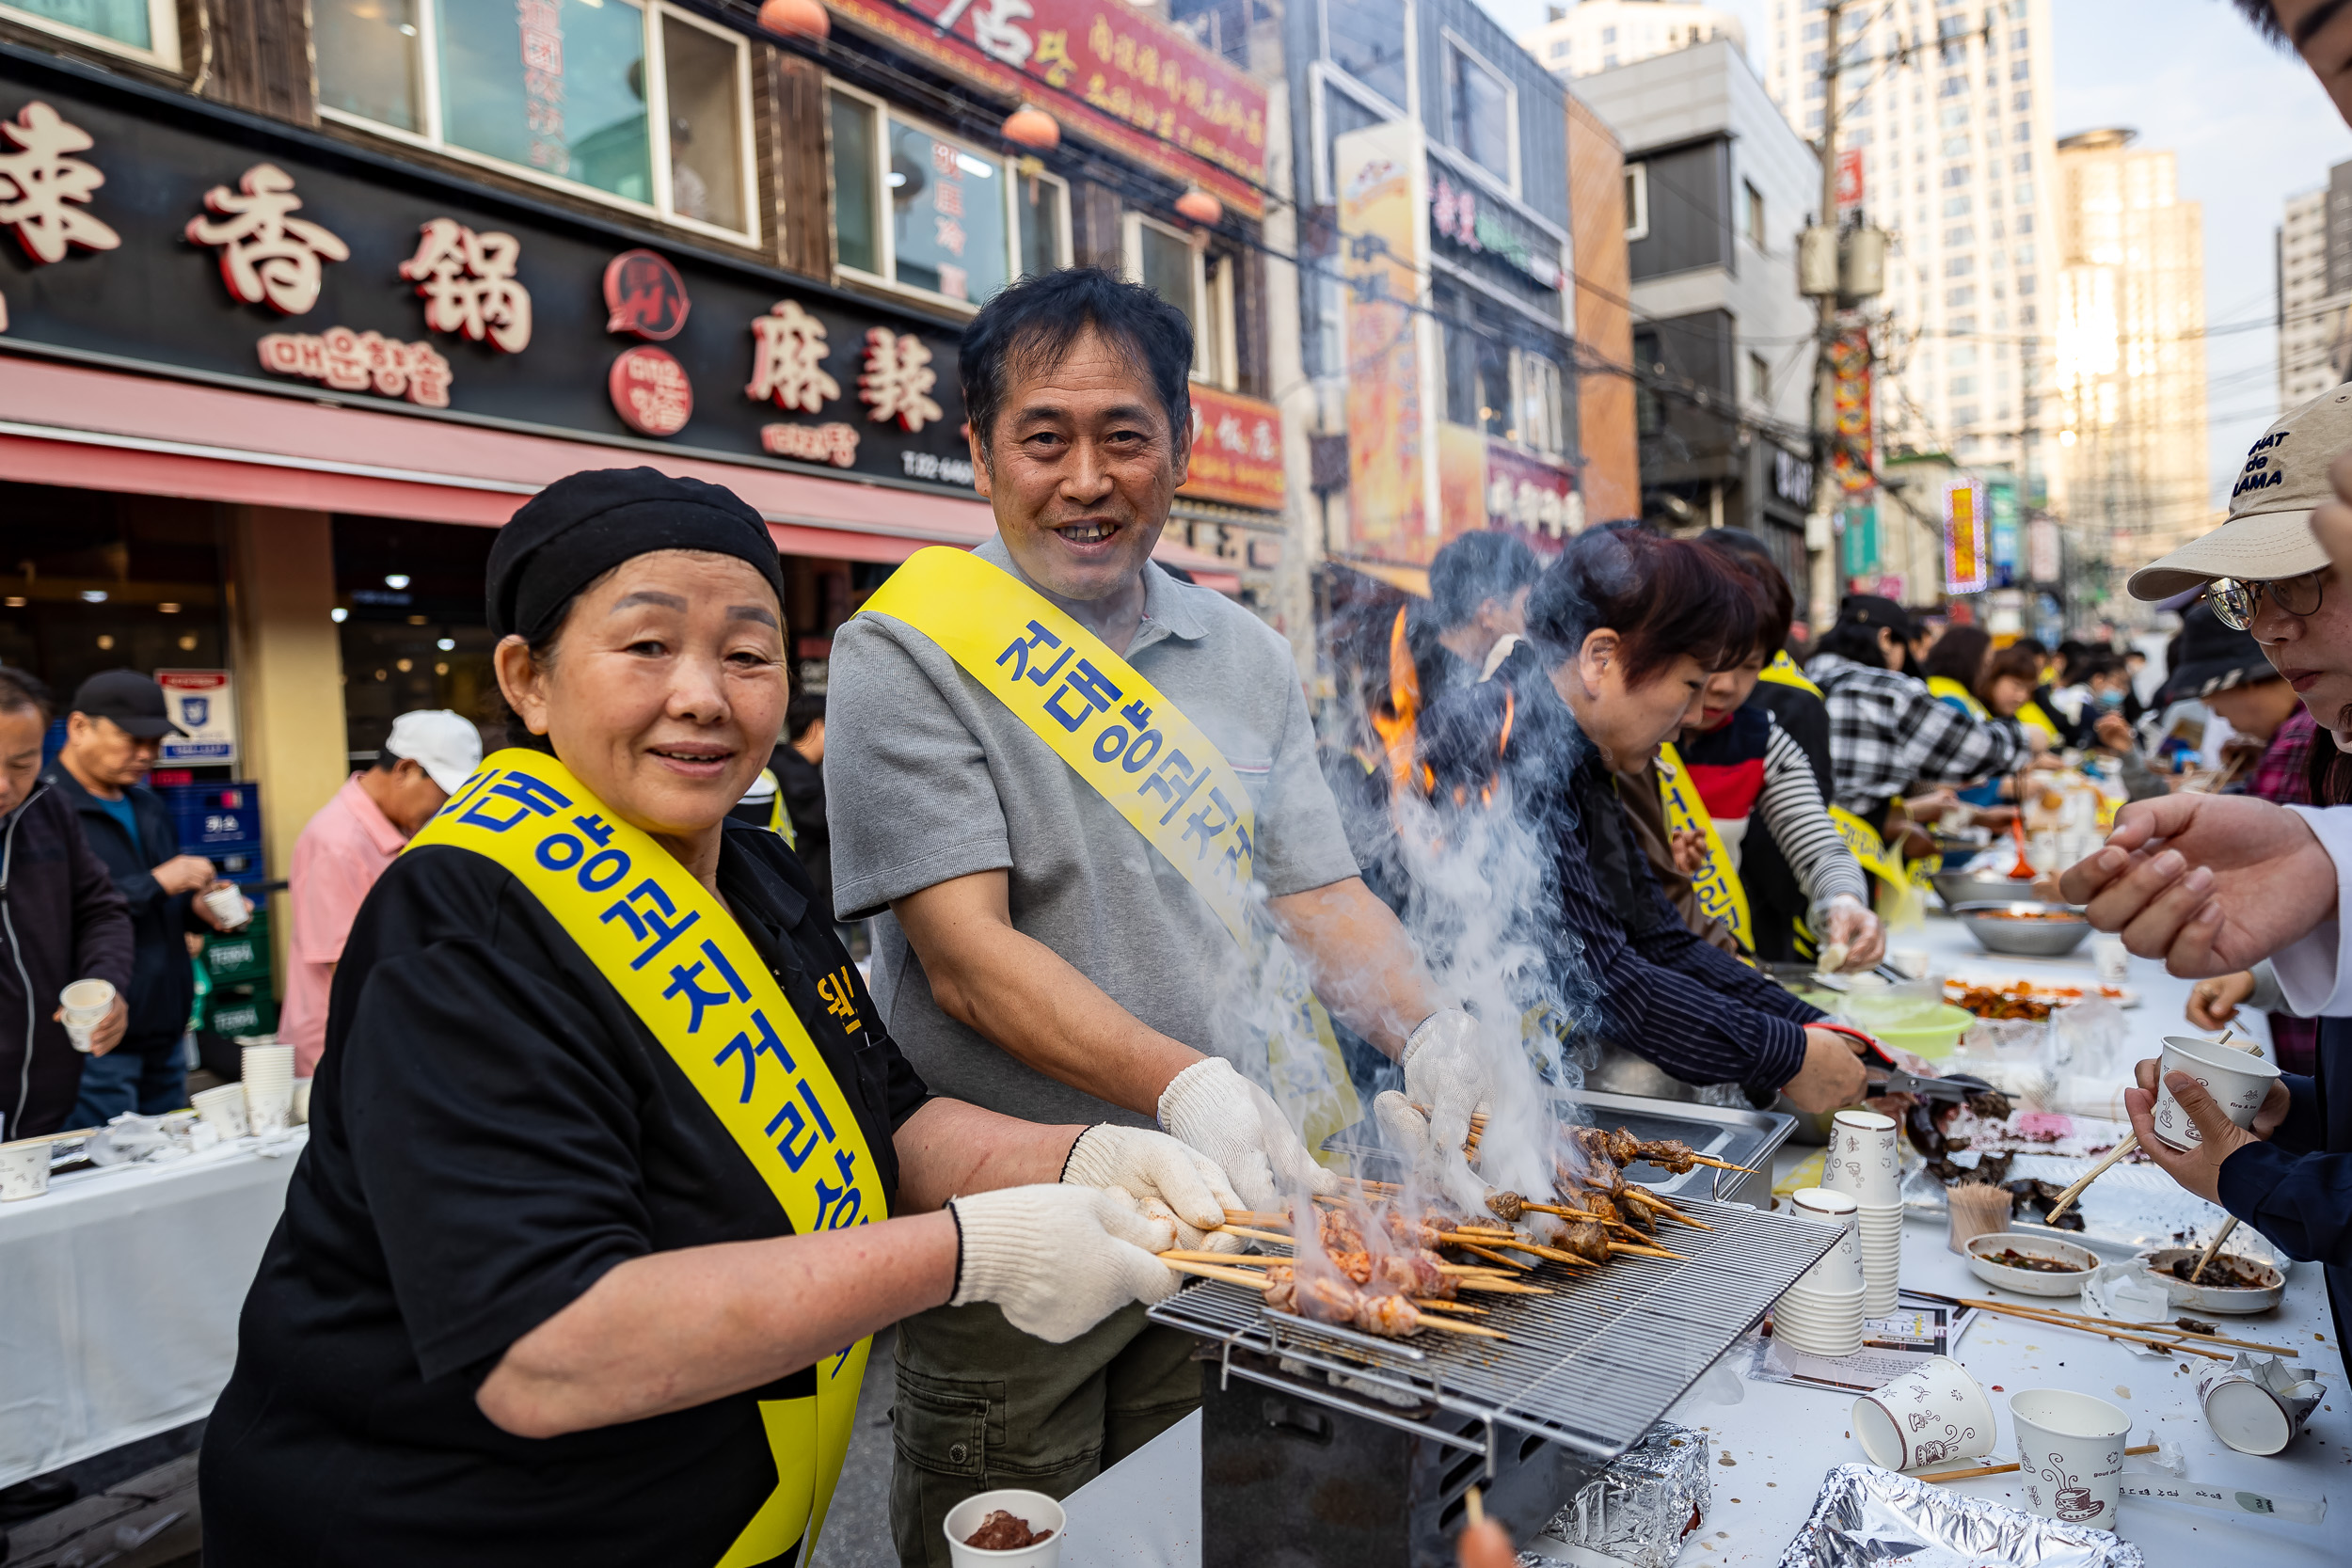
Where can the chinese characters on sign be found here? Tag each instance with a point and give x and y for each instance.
(897, 380)
(833, 442)
(1456, 214)
(1965, 556)
(38, 180)
(650, 391)
(1535, 497)
(1236, 449)
(265, 253)
(542, 27)
(468, 283)
(1136, 84)
(789, 354)
(360, 362)
(1851, 458)
(644, 297)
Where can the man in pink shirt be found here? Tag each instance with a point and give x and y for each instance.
(346, 847)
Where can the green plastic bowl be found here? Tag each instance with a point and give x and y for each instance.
(1934, 1040)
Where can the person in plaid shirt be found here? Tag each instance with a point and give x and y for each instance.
(1886, 730)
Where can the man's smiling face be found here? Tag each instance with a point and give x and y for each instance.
(1081, 469)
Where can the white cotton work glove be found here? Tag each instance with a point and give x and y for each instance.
(1845, 922)
(1407, 1131)
(1164, 1176)
(1057, 1260)
(1445, 1072)
(1236, 1124)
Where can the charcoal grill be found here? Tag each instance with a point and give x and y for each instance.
(1324, 1446)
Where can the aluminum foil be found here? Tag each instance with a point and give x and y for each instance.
(1866, 1516)
(1637, 1511)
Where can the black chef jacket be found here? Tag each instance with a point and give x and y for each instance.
(492, 1128)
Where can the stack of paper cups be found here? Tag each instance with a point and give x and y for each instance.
(86, 1003)
(267, 1074)
(1861, 1163)
(1822, 1312)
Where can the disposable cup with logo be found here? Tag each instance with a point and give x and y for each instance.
(224, 1108)
(301, 1100)
(266, 1072)
(86, 1005)
(23, 1169)
(1932, 1415)
(228, 907)
(2070, 1448)
(2237, 1080)
(1840, 1269)
(1820, 1324)
(1033, 1508)
(1860, 1160)
(2257, 1405)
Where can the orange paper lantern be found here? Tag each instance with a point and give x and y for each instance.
(1199, 206)
(1032, 127)
(805, 19)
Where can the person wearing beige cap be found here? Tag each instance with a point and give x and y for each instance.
(345, 846)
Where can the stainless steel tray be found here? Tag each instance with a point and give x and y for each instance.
(1748, 1138)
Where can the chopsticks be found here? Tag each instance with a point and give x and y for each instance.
(2107, 1326)
(2211, 1247)
(2121, 1150)
(2058, 1319)
(2006, 1469)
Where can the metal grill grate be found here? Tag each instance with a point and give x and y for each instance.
(1593, 1367)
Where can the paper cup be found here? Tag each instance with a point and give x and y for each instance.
(224, 1107)
(2110, 956)
(2239, 1080)
(301, 1100)
(1861, 1161)
(1841, 1271)
(86, 1005)
(24, 1170)
(228, 907)
(2252, 1417)
(1035, 1509)
(1819, 1325)
(1978, 1210)
(1932, 1415)
(2071, 1449)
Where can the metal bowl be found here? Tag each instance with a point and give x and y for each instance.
(2028, 938)
(1957, 887)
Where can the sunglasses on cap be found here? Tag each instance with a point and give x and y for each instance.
(2235, 603)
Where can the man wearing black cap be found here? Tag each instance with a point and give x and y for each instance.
(1886, 729)
(113, 732)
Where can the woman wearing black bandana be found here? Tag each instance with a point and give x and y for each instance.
(607, 1137)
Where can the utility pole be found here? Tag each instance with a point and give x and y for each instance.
(1822, 237)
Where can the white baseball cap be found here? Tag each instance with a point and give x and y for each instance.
(447, 746)
(2267, 534)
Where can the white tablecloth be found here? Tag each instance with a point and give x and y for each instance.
(119, 1298)
(1774, 1445)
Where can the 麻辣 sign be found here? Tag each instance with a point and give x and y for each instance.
(1131, 83)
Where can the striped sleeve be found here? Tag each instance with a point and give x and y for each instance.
(1791, 807)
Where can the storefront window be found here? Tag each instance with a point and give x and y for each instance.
(1482, 113)
(147, 29)
(1366, 39)
(1165, 261)
(601, 93)
(914, 208)
(408, 598)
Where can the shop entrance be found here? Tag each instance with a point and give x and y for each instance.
(408, 598)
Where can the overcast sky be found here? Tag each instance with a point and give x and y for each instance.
(2249, 124)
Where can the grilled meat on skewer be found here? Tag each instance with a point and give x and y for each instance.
(1327, 1300)
(1413, 1274)
(1586, 1239)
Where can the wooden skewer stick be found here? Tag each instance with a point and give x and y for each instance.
(1251, 1217)
(1429, 1305)
(1451, 1327)
(2115, 1156)
(1229, 1260)
(1631, 1250)
(2008, 1309)
(1232, 1229)
(2167, 1328)
(1502, 1288)
(1506, 1262)
(2211, 1247)
(1248, 1278)
(2006, 1469)
(1721, 1164)
(1644, 1196)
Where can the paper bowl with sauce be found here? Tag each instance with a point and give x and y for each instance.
(2031, 1265)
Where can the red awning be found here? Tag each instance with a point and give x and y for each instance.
(104, 430)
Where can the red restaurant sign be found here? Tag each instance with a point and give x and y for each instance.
(1129, 82)
(1236, 449)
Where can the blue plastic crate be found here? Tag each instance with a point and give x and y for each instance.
(210, 815)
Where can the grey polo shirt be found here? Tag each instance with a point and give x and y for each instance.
(928, 778)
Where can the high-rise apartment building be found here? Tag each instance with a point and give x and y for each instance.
(1601, 35)
(2316, 289)
(1949, 106)
(2129, 369)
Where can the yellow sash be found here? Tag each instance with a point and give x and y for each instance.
(1782, 671)
(779, 819)
(1154, 766)
(1944, 685)
(677, 957)
(1717, 883)
(2031, 715)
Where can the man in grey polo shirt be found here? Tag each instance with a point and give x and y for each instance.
(1035, 953)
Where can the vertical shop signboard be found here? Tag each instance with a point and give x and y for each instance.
(1861, 553)
(2000, 504)
(1967, 565)
(1851, 458)
(1393, 508)
(1236, 449)
(2041, 550)
(203, 703)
